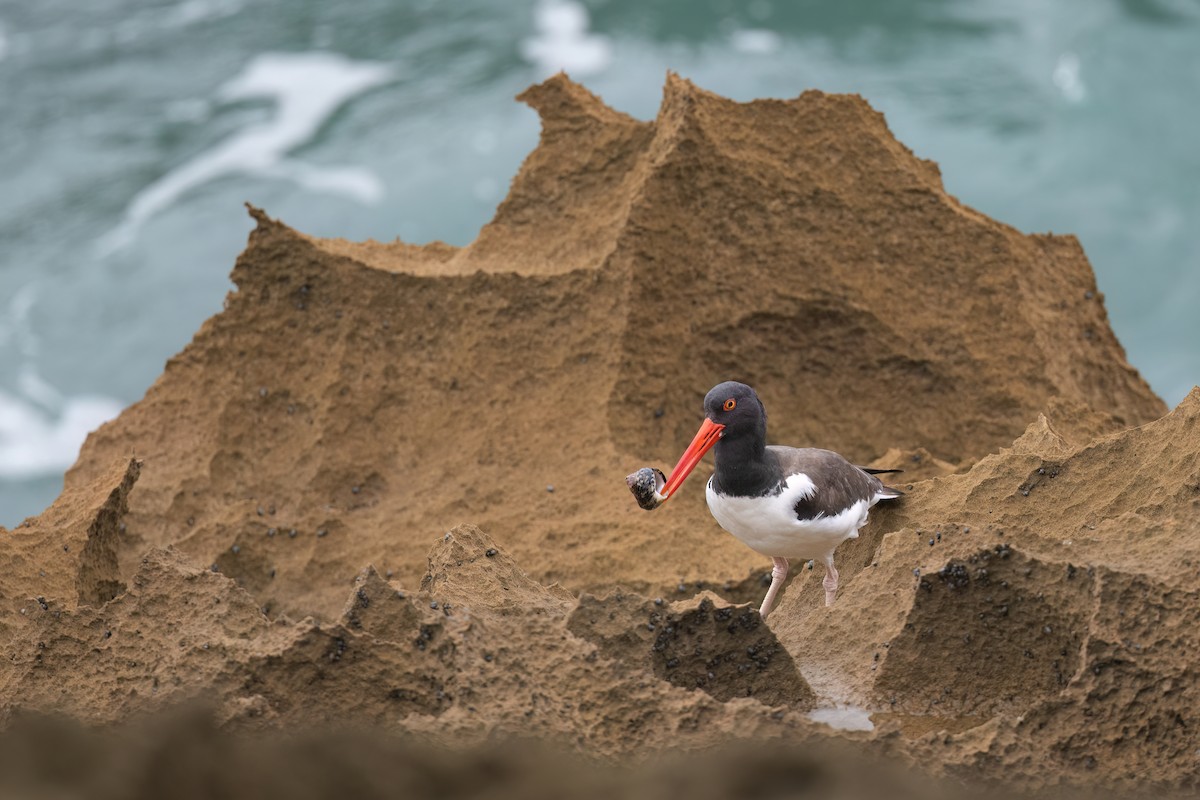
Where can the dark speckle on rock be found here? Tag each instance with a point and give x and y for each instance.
(955, 576)
(490, 552)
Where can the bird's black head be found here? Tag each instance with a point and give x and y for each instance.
(734, 421)
(737, 407)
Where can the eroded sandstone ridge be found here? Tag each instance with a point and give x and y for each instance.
(1026, 613)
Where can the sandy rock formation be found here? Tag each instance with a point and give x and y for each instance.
(702, 643)
(365, 395)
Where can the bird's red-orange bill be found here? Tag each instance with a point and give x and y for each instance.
(705, 438)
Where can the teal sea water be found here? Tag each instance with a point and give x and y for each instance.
(132, 131)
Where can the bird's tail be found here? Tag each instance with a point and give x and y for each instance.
(884, 492)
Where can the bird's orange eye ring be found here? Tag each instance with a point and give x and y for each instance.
(730, 404)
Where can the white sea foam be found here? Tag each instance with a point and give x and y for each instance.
(843, 718)
(562, 41)
(1068, 79)
(755, 41)
(307, 88)
(35, 441)
(30, 384)
(40, 429)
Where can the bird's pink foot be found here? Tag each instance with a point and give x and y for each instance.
(831, 582)
(779, 571)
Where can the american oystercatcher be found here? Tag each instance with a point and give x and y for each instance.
(783, 502)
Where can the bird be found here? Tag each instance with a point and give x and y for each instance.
(787, 503)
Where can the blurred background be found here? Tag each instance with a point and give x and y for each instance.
(132, 131)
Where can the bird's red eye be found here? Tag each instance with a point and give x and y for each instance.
(730, 404)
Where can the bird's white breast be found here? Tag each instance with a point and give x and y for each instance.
(768, 524)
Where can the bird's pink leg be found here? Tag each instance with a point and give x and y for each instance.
(779, 571)
(831, 581)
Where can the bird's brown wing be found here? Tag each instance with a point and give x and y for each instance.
(839, 483)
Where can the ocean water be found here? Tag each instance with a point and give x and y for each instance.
(132, 132)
